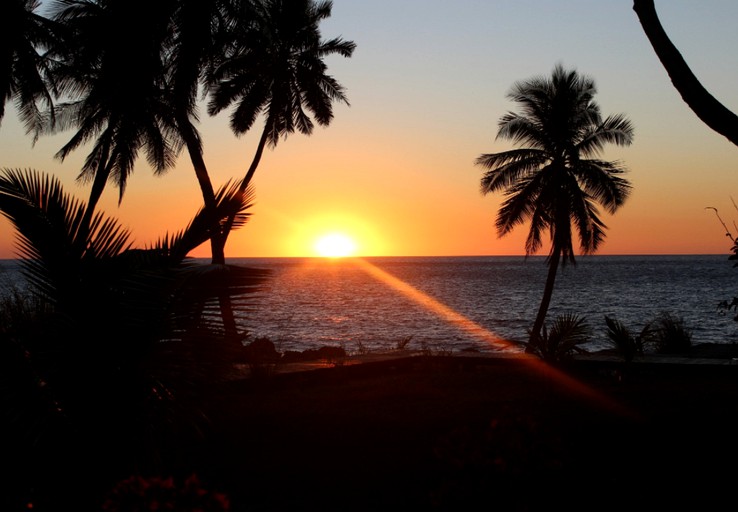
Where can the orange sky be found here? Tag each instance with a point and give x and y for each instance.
(427, 84)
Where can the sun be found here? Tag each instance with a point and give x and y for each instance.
(335, 245)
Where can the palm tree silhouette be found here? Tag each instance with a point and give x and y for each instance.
(82, 277)
(556, 180)
(131, 92)
(276, 68)
(128, 92)
(117, 89)
(124, 337)
(142, 95)
(200, 32)
(25, 35)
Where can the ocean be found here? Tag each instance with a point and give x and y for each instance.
(428, 303)
(313, 302)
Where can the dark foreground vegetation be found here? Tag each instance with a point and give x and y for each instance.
(416, 433)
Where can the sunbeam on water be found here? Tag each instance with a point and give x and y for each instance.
(461, 304)
(441, 310)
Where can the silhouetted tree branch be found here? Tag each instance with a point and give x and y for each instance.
(713, 113)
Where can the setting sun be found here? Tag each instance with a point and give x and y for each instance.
(335, 245)
(333, 234)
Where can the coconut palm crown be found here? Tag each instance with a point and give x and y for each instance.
(276, 70)
(555, 179)
(116, 88)
(25, 36)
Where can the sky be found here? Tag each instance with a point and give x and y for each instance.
(427, 84)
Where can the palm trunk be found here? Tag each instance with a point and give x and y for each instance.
(553, 265)
(246, 181)
(98, 186)
(218, 245)
(713, 113)
(255, 161)
(217, 242)
(194, 149)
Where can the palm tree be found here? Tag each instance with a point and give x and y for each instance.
(556, 180)
(106, 282)
(568, 332)
(142, 95)
(276, 68)
(200, 32)
(153, 108)
(627, 344)
(117, 88)
(123, 338)
(24, 37)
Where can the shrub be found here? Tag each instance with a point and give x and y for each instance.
(402, 344)
(568, 332)
(623, 341)
(669, 334)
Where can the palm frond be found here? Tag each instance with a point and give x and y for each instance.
(508, 167)
(44, 217)
(565, 338)
(276, 68)
(604, 182)
(230, 203)
(620, 338)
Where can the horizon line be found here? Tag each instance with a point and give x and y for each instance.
(726, 254)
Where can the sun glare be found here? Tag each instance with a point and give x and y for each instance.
(335, 245)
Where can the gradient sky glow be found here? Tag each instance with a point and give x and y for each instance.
(427, 85)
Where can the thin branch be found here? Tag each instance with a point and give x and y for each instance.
(727, 231)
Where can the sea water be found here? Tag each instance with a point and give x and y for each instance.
(313, 302)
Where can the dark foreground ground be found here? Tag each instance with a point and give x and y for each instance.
(468, 433)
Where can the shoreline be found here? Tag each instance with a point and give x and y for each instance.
(712, 354)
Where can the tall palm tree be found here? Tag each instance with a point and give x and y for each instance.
(154, 108)
(114, 78)
(556, 180)
(276, 68)
(25, 35)
(141, 95)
